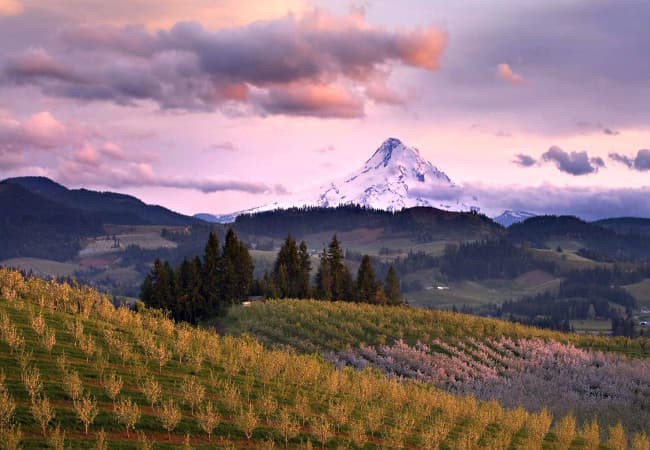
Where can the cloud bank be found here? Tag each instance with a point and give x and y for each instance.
(78, 155)
(316, 64)
(589, 203)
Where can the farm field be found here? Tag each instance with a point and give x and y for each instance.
(474, 293)
(102, 245)
(597, 326)
(80, 373)
(640, 291)
(42, 266)
(567, 260)
(490, 359)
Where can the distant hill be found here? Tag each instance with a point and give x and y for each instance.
(43, 219)
(509, 217)
(32, 225)
(109, 207)
(206, 217)
(419, 223)
(598, 242)
(627, 225)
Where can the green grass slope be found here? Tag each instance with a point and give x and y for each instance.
(310, 325)
(103, 361)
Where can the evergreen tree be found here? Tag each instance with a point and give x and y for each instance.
(392, 289)
(146, 290)
(333, 279)
(291, 270)
(158, 288)
(323, 281)
(191, 304)
(366, 286)
(212, 275)
(267, 286)
(237, 270)
(304, 290)
(341, 284)
(286, 270)
(166, 287)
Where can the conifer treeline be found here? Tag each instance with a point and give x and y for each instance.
(200, 288)
(290, 277)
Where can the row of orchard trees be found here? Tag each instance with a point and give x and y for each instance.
(201, 287)
(291, 277)
(235, 387)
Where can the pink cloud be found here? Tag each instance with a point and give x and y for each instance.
(40, 130)
(87, 155)
(143, 175)
(314, 100)
(303, 65)
(10, 8)
(505, 73)
(379, 92)
(113, 151)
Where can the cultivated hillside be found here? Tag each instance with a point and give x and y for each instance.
(493, 360)
(78, 372)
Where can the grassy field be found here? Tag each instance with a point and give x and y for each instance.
(567, 260)
(102, 245)
(42, 267)
(640, 291)
(310, 325)
(375, 243)
(592, 326)
(474, 293)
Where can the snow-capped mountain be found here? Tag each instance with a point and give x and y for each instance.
(509, 217)
(395, 177)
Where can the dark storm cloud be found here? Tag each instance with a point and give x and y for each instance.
(641, 162)
(302, 66)
(574, 163)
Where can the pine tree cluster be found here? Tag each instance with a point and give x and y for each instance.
(200, 288)
(290, 277)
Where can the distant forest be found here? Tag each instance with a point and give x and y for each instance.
(423, 224)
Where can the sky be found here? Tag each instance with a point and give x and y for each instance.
(221, 105)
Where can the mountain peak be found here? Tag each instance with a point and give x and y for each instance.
(395, 177)
(390, 147)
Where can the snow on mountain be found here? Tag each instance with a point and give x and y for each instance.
(508, 217)
(395, 177)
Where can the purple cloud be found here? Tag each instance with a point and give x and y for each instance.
(589, 203)
(641, 162)
(314, 65)
(524, 160)
(573, 163)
